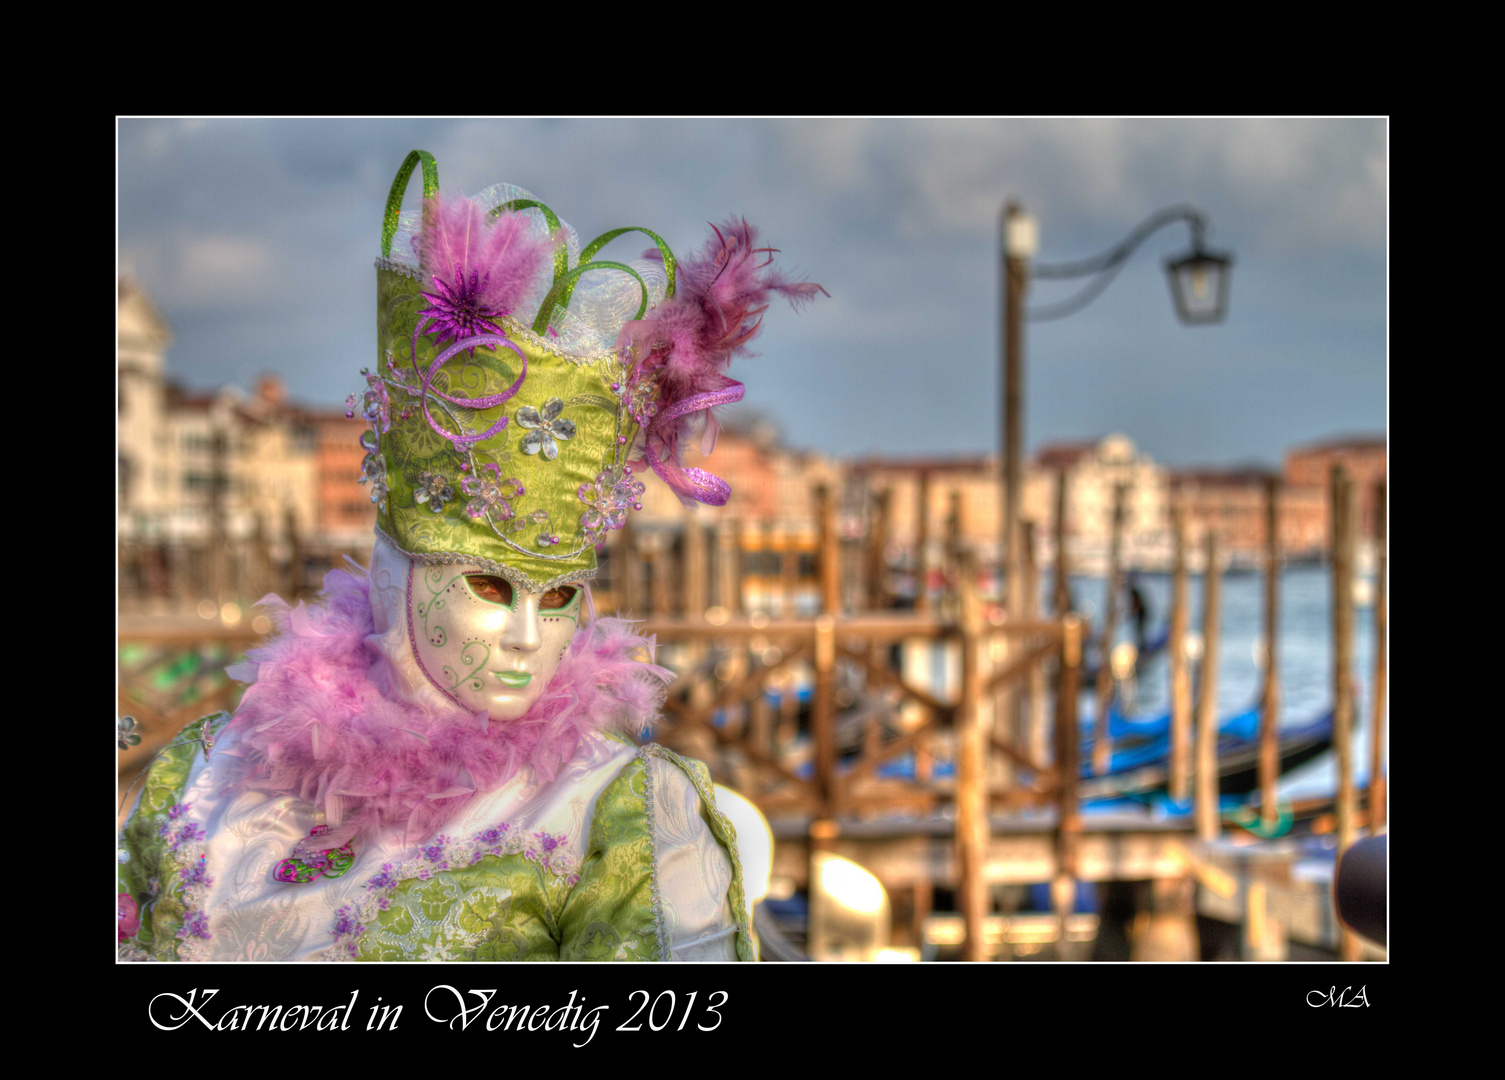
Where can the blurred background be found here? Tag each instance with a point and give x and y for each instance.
(1079, 465)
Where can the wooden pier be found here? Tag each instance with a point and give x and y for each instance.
(1011, 815)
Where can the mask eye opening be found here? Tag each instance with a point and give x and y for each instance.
(558, 598)
(490, 589)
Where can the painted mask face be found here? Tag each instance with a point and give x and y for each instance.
(485, 643)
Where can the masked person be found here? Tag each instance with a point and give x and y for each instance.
(434, 761)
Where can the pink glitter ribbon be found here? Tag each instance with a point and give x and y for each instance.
(690, 483)
(426, 387)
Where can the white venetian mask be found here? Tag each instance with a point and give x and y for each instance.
(480, 641)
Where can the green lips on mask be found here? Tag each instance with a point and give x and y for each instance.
(515, 679)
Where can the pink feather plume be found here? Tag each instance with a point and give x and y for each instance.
(687, 342)
(461, 233)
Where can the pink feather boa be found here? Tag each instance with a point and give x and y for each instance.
(318, 724)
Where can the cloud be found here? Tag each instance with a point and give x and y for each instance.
(1299, 184)
(222, 268)
(256, 238)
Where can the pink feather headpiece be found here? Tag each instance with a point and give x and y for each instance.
(678, 353)
(319, 722)
(482, 266)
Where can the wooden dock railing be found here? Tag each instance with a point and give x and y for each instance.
(836, 789)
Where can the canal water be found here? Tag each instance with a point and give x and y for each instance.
(1304, 653)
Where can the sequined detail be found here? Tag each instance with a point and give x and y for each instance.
(433, 491)
(374, 470)
(375, 404)
(125, 733)
(490, 494)
(329, 862)
(544, 428)
(606, 502)
(491, 566)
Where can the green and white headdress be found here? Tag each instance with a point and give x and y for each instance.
(519, 396)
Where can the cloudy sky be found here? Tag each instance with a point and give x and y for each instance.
(256, 239)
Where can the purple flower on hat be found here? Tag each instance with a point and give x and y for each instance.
(461, 309)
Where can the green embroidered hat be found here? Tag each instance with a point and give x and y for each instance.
(518, 396)
(493, 442)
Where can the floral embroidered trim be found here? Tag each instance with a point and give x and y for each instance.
(550, 852)
(708, 801)
(186, 843)
(660, 928)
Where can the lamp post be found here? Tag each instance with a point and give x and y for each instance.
(1199, 290)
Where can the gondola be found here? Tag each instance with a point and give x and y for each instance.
(1123, 728)
(1145, 767)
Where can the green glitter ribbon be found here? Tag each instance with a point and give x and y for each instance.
(399, 186)
(594, 248)
(566, 284)
(561, 253)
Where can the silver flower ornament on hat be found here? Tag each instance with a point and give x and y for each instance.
(434, 490)
(543, 429)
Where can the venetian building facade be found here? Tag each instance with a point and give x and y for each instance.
(1365, 460)
(145, 488)
(195, 465)
(1092, 471)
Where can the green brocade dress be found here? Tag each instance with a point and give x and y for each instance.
(622, 856)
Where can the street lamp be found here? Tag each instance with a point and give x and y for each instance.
(1199, 285)
(1199, 290)
(1198, 279)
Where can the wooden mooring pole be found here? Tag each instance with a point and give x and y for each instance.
(1208, 825)
(1062, 590)
(1180, 778)
(661, 560)
(823, 703)
(695, 577)
(1269, 713)
(729, 565)
(1343, 704)
(1035, 739)
(294, 556)
(1068, 811)
(971, 772)
(1102, 742)
(830, 551)
(626, 571)
(1377, 791)
(922, 544)
(877, 546)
